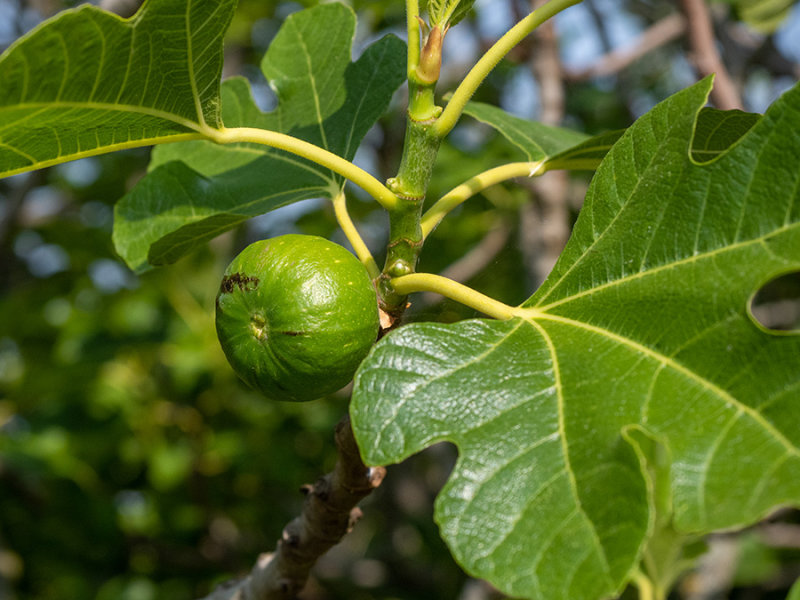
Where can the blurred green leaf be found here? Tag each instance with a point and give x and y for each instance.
(765, 16)
(794, 593)
(169, 464)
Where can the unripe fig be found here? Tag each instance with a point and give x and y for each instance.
(296, 315)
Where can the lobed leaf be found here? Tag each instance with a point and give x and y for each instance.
(197, 190)
(87, 82)
(641, 332)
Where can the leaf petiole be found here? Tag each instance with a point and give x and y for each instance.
(412, 24)
(472, 186)
(428, 282)
(645, 586)
(383, 195)
(350, 231)
(489, 61)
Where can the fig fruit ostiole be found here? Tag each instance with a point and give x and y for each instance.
(296, 315)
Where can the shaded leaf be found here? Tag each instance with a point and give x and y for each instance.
(718, 130)
(644, 322)
(586, 155)
(87, 82)
(197, 190)
(535, 140)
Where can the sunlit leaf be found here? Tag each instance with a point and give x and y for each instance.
(87, 82)
(643, 323)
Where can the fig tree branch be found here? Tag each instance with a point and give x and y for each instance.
(329, 512)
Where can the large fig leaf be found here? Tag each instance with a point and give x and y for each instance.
(643, 325)
(87, 82)
(197, 190)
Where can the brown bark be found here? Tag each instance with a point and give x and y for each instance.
(329, 512)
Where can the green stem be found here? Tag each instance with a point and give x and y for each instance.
(472, 186)
(412, 25)
(427, 282)
(355, 239)
(337, 164)
(489, 60)
(646, 589)
(410, 186)
(420, 148)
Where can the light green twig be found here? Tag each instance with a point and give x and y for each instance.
(489, 60)
(472, 186)
(322, 157)
(412, 25)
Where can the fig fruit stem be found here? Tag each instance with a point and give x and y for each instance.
(472, 186)
(355, 239)
(484, 66)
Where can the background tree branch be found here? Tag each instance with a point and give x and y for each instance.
(706, 57)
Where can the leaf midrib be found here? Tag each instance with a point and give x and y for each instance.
(190, 63)
(564, 447)
(151, 112)
(127, 145)
(667, 361)
(641, 177)
(666, 266)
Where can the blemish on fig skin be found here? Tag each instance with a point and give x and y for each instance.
(293, 333)
(244, 282)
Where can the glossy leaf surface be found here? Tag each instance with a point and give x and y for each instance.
(87, 82)
(197, 190)
(641, 332)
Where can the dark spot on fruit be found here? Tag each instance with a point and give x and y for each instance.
(244, 282)
(293, 333)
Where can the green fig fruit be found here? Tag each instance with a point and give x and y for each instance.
(296, 315)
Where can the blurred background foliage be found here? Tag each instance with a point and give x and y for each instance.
(135, 466)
